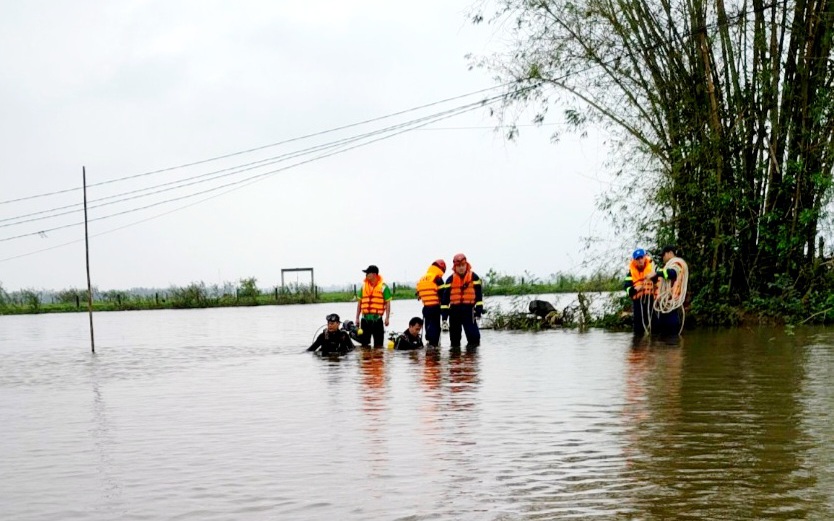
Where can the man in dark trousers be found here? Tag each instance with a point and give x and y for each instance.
(333, 341)
(373, 308)
(462, 302)
(668, 321)
(640, 289)
(428, 292)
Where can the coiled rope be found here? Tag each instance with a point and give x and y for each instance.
(671, 295)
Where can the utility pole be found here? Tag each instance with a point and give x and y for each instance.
(87, 249)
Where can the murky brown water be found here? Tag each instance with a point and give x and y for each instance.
(217, 414)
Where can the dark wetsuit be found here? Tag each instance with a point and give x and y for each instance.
(407, 341)
(332, 343)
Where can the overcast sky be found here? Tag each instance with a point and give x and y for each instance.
(126, 88)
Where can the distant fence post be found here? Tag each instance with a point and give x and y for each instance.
(276, 293)
(156, 297)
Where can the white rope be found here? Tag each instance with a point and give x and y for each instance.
(646, 314)
(671, 295)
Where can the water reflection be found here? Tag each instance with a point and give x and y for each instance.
(707, 433)
(103, 439)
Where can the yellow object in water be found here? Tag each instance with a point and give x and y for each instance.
(390, 344)
(359, 331)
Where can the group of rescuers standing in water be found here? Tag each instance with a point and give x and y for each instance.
(642, 283)
(458, 302)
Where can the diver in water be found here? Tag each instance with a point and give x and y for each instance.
(333, 341)
(410, 338)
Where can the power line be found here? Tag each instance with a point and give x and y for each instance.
(253, 179)
(218, 174)
(249, 180)
(262, 147)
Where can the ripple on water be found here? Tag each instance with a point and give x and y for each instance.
(218, 414)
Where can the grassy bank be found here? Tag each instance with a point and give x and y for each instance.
(246, 293)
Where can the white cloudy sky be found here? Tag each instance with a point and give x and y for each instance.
(131, 87)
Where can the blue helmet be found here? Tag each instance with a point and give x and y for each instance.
(638, 253)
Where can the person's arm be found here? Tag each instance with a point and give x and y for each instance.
(358, 311)
(387, 295)
(445, 298)
(317, 343)
(670, 274)
(479, 295)
(628, 286)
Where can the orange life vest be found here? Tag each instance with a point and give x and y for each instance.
(462, 289)
(373, 301)
(426, 287)
(642, 285)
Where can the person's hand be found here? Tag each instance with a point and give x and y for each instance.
(386, 321)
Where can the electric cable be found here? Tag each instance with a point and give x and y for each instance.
(257, 176)
(218, 174)
(262, 147)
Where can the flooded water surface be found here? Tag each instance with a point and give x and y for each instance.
(219, 414)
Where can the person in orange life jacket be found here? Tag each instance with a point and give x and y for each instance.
(461, 302)
(640, 289)
(428, 291)
(334, 340)
(666, 324)
(410, 338)
(374, 307)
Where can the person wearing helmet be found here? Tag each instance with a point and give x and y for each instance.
(639, 288)
(461, 302)
(333, 341)
(374, 308)
(428, 292)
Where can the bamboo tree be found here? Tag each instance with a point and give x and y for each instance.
(726, 110)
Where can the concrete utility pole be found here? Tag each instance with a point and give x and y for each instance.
(87, 249)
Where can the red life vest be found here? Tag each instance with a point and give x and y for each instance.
(642, 285)
(462, 289)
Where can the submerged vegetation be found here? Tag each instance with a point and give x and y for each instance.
(525, 313)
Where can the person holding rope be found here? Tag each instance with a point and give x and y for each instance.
(640, 290)
(671, 285)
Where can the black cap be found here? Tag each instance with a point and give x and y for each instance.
(371, 269)
(333, 317)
